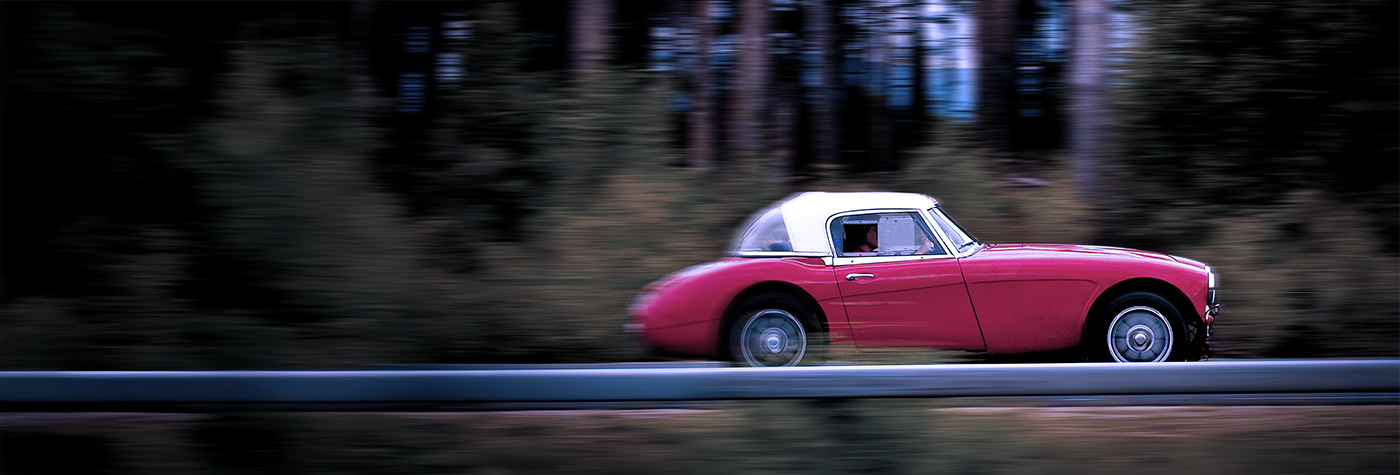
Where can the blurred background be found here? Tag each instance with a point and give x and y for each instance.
(247, 185)
(341, 185)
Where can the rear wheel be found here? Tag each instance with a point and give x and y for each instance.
(1138, 327)
(775, 329)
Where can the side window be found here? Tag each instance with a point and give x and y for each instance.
(884, 234)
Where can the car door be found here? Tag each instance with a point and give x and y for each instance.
(905, 291)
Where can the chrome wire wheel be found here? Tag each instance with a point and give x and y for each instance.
(772, 337)
(1140, 334)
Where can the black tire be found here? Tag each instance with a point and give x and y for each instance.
(1138, 327)
(775, 329)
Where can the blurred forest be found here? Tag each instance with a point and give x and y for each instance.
(217, 185)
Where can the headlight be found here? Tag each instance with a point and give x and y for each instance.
(1211, 282)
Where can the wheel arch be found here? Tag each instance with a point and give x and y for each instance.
(1174, 295)
(794, 290)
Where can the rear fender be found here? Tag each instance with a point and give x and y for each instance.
(687, 316)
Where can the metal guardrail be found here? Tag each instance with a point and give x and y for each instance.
(1375, 379)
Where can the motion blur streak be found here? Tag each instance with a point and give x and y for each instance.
(328, 185)
(888, 435)
(231, 185)
(672, 384)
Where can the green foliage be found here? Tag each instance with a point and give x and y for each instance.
(275, 215)
(1231, 102)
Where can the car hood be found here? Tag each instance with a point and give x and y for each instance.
(1062, 249)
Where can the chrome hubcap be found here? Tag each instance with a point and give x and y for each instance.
(773, 338)
(1139, 334)
(774, 341)
(1140, 337)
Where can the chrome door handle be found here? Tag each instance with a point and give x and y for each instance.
(857, 276)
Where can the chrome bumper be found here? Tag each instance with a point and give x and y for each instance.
(1203, 352)
(1209, 318)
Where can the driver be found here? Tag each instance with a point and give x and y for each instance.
(872, 240)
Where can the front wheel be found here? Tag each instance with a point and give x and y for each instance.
(1138, 327)
(775, 330)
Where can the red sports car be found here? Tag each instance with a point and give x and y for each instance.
(852, 272)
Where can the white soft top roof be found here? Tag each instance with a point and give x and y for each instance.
(805, 214)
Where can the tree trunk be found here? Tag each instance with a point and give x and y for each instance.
(590, 45)
(821, 45)
(878, 54)
(919, 100)
(361, 79)
(749, 99)
(996, 44)
(1089, 97)
(702, 133)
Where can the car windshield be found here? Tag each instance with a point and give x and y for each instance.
(956, 232)
(767, 232)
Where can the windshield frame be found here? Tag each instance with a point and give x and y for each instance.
(946, 222)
